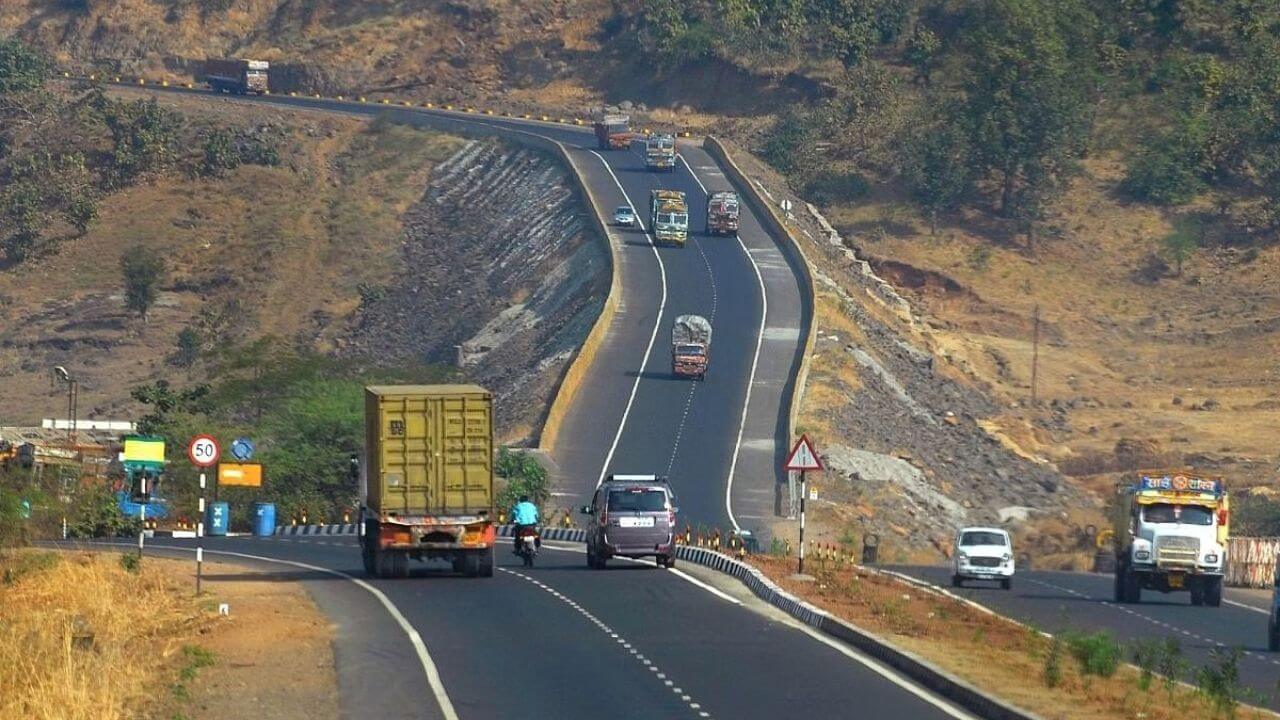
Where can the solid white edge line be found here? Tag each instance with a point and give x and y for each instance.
(424, 657)
(884, 671)
(755, 362)
(1245, 606)
(657, 323)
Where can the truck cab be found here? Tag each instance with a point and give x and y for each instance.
(1171, 531)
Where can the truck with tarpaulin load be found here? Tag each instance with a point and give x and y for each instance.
(690, 346)
(613, 132)
(722, 213)
(1170, 532)
(660, 152)
(237, 76)
(427, 479)
(669, 216)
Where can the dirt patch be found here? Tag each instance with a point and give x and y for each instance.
(992, 653)
(86, 635)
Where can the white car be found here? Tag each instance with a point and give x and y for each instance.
(982, 553)
(624, 216)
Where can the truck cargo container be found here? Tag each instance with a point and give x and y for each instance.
(237, 76)
(722, 213)
(690, 346)
(669, 216)
(427, 478)
(613, 132)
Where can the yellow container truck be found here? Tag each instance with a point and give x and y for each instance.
(427, 478)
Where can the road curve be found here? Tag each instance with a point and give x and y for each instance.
(1052, 601)
(559, 640)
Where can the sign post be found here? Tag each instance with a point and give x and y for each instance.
(802, 458)
(203, 453)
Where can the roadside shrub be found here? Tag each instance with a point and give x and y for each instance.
(1146, 655)
(1172, 169)
(1052, 673)
(94, 512)
(130, 562)
(1097, 654)
(1219, 681)
(188, 350)
(524, 476)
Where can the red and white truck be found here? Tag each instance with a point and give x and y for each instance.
(613, 132)
(722, 213)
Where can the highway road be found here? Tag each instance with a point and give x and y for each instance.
(560, 640)
(1054, 601)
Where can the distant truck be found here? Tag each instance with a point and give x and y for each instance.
(1170, 534)
(660, 153)
(240, 77)
(613, 132)
(427, 478)
(722, 213)
(690, 346)
(669, 216)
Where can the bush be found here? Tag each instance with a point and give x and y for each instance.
(94, 512)
(1219, 681)
(1052, 673)
(188, 350)
(830, 187)
(1172, 170)
(1097, 654)
(524, 476)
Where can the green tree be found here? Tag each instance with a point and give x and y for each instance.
(1180, 244)
(923, 53)
(144, 137)
(1172, 169)
(937, 163)
(220, 153)
(165, 403)
(188, 350)
(22, 70)
(143, 270)
(1028, 97)
(21, 217)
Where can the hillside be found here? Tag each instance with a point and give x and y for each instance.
(1137, 216)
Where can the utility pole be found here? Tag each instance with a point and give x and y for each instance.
(1035, 354)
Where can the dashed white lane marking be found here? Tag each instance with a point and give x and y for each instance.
(1153, 621)
(636, 654)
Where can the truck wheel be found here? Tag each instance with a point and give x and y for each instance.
(1132, 587)
(366, 557)
(486, 563)
(459, 564)
(383, 563)
(1213, 592)
(956, 581)
(1273, 633)
(1197, 593)
(1118, 594)
(399, 563)
(1006, 583)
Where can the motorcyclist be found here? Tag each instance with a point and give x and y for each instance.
(524, 514)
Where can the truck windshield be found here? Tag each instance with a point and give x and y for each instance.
(689, 350)
(637, 501)
(1185, 514)
(979, 537)
(680, 219)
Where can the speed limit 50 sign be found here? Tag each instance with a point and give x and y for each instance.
(203, 451)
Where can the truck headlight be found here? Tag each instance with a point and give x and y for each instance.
(964, 559)
(1142, 555)
(1211, 559)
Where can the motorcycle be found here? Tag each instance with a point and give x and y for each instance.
(527, 544)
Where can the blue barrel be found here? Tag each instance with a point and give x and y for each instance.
(218, 515)
(264, 519)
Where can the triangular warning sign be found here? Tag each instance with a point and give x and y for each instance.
(803, 456)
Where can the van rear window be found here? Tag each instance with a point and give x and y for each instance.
(638, 500)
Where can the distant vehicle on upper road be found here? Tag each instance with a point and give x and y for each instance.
(240, 77)
(624, 216)
(632, 516)
(613, 132)
(982, 553)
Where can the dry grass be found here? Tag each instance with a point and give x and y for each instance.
(81, 637)
(990, 652)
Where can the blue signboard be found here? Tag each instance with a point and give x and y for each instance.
(242, 448)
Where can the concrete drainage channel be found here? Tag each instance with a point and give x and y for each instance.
(926, 674)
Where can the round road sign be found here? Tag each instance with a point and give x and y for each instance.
(203, 451)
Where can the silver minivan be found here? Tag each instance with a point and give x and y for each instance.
(631, 516)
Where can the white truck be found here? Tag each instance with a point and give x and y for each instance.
(660, 153)
(1170, 534)
(669, 216)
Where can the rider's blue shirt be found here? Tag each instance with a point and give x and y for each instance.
(525, 513)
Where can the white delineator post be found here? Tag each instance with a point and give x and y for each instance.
(142, 515)
(200, 538)
(803, 492)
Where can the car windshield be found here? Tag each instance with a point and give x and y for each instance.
(624, 211)
(982, 537)
(637, 500)
(1184, 514)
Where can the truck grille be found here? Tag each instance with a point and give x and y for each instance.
(1177, 550)
(984, 562)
